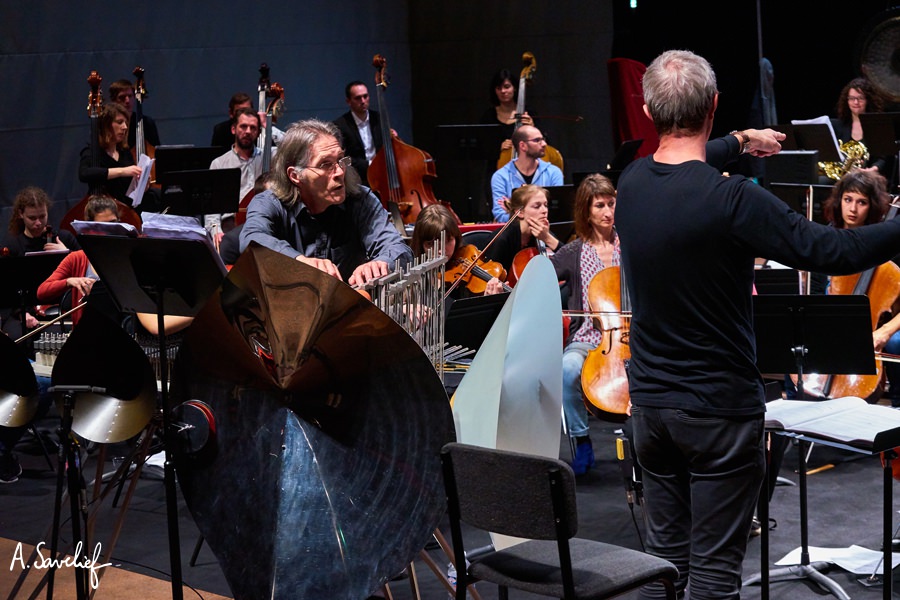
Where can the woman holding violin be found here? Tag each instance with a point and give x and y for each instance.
(595, 248)
(437, 218)
(532, 229)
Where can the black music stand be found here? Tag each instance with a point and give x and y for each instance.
(468, 148)
(201, 192)
(561, 210)
(810, 136)
(883, 137)
(166, 277)
(795, 334)
(795, 194)
(184, 158)
(26, 273)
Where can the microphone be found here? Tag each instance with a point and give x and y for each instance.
(623, 453)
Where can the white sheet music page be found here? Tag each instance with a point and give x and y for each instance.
(139, 184)
(823, 120)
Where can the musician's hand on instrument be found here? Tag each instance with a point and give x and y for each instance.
(394, 133)
(493, 286)
(322, 264)
(880, 338)
(506, 145)
(55, 246)
(82, 284)
(764, 142)
(366, 272)
(526, 119)
(417, 314)
(31, 321)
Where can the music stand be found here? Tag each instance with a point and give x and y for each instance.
(184, 158)
(882, 131)
(561, 210)
(202, 192)
(26, 273)
(469, 147)
(166, 277)
(794, 195)
(795, 334)
(469, 320)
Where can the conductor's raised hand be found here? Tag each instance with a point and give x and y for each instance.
(764, 142)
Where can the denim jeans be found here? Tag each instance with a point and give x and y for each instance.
(702, 477)
(573, 399)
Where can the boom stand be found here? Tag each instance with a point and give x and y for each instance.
(162, 276)
(796, 333)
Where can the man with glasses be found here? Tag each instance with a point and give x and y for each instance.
(528, 167)
(317, 212)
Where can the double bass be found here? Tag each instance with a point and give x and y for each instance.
(550, 153)
(400, 174)
(141, 146)
(274, 108)
(604, 377)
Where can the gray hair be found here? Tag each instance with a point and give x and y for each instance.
(679, 91)
(295, 150)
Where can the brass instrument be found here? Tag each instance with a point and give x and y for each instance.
(855, 154)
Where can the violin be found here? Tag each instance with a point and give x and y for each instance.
(466, 263)
(604, 377)
(520, 261)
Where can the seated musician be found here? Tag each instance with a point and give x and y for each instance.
(116, 167)
(859, 198)
(244, 155)
(437, 218)
(318, 213)
(29, 231)
(595, 247)
(75, 275)
(532, 228)
(222, 134)
(527, 168)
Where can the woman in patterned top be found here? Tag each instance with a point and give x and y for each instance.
(595, 247)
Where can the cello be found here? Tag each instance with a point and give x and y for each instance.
(550, 153)
(604, 377)
(400, 174)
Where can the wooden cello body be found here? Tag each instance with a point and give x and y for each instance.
(882, 286)
(399, 173)
(604, 377)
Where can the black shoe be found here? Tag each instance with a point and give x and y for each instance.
(755, 528)
(10, 469)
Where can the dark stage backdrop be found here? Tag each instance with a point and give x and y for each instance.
(440, 60)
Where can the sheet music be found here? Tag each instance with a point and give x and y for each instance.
(823, 120)
(104, 228)
(139, 184)
(851, 420)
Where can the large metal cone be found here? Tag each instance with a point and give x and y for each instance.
(18, 385)
(325, 476)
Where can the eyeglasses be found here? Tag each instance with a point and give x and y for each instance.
(330, 167)
(537, 140)
(856, 98)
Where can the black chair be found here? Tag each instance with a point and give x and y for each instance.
(477, 237)
(533, 497)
